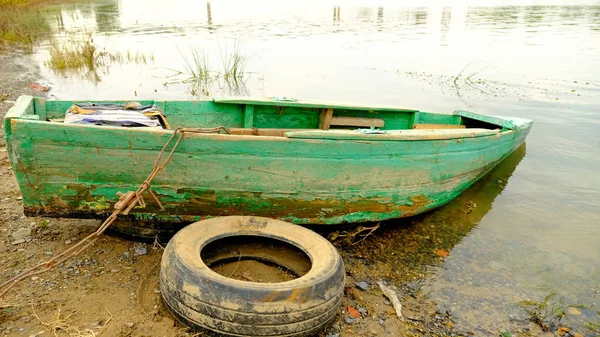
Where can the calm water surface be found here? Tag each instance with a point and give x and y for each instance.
(536, 225)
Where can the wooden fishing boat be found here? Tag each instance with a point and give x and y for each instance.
(306, 162)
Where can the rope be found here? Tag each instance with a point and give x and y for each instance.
(127, 201)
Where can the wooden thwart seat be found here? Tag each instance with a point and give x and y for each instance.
(327, 119)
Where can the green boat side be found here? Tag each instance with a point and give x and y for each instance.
(303, 175)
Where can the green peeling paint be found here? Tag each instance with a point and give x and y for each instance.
(305, 176)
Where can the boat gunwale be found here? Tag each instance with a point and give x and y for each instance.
(427, 137)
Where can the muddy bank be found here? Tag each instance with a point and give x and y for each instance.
(111, 289)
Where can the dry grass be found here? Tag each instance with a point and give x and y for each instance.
(80, 52)
(74, 54)
(59, 324)
(24, 22)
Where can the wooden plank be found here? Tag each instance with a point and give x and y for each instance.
(276, 132)
(325, 118)
(505, 123)
(393, 135)
(414, 118)
(22, 107)
(438, 126)
(357, 121)
(77, 170)
(248, 116)
(40, 107)
(307, 104)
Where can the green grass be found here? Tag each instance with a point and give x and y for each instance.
(552, 311)
(196, 71)
(79, 52)
(74, 54)
(22, 26)
(234, 63)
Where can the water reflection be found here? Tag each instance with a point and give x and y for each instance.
(336, 14)
(107, 17)
(403, 247)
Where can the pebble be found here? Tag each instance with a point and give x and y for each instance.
(381, 321)
(386, 302)
(95, 324)
(362, 285)
(18, 242)
(362, 311)
(22, 234)
(48, 253)
(349, 320)
(333, 335)
(68, 242)
(126, 255)
(129, 324)
(140, 250)
(114, 270)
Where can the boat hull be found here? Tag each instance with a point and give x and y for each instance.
(74, 171)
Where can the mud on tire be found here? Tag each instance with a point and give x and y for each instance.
(218, 305)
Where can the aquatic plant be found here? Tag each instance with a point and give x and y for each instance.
(234, 64)
(80, 52)
(550, 312)
(24, 22)
(73, 54)
(22, 27)
(200, 76)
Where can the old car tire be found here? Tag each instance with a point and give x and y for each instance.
(207, 301)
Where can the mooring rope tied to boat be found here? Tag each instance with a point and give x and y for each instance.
(127, 201)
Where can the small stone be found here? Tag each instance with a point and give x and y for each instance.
(126, 255)
(363, 311)
(140, 250)
(573, 311)
(349, 320)
(386, 302)
(333, 335)
(95, 324)
(35, 278)
(362, 285)
(68, 242)
(18, 242)
(129, 324)
(22, 233)
(157, 291)
(48, 253)
(114, 270)
(381, 321)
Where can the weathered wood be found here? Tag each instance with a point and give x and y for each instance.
(315, 176)
(357, 121)
(306, 104)
(438, 126)
(415, 134)
(248, 116)
(275, 132)
(505, 123)
(325, 119)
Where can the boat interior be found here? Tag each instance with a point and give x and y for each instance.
(296, 118)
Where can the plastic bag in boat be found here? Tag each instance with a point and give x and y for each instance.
(124, 115)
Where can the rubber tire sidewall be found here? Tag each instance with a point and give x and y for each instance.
(208, 301)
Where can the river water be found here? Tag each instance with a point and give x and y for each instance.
(534, 224)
